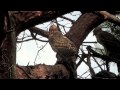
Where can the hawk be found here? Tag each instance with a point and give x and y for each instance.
(64, 48)
(60, 43)
(110, 44)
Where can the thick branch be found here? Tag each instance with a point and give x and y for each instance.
(12, 46)
(110, 17)
(39, 31)
(2, 21)
(82, 27)
(104, 57)
(41, 17)
(42, 71)
(79, 31)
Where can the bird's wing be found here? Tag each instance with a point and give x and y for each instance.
(61, 43)
(109, 41)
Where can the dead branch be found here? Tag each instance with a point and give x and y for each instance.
(110, 17)
(81, 59)
(39, 51)
(92, 72)
(89, 42)
(30, 40)
(82, 27)
(88, 70)
(42, 71)
(79, 31)
(25, 71)
(27, 19)
(103, 57)
(39, 31)
(94, 59)
(68, 19)
(97, 63)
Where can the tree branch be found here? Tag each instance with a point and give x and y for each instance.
(110, 17)
(42, 71)
(12, 46)
(83, 26)
(68, 19)
(103, 57)
(27, 19)
(39, 31)
(78, 32)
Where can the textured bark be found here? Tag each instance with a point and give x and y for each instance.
(105, 75)
(83, 26)
(2, 33)
(110, 17)
(12, 46)
(8, 50)
(78, 32)
(42, 71)
(39, 31)
(25, 20)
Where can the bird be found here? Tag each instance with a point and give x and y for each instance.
(64, 48)
(111, 45)
(60, 43)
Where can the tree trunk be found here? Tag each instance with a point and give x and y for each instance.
(8, 50)
(78, 32)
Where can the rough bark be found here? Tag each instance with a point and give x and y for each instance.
(78, 32)
(12, 46)
(8, 49)
(42, 71)
(110, 17)
(39, 31)
(2, 32)
(80, 29)
(22, 21)
(83, 26)
(25, 20)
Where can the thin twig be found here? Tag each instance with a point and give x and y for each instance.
(68, 19)
(94, 59)
(38, 52)
(89, 65)
(32, 39)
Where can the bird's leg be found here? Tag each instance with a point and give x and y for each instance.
(59, 59)
(69, 63)
(71, 66)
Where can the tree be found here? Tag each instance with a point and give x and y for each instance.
(15, 22)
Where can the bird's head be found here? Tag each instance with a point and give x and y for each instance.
(97, 30)
(53, 28)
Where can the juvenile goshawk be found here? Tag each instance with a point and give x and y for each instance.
(60, 43)
(110, 44)
(64, 48)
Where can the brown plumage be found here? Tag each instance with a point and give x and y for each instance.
(110, 44)
(60, 43)
(64, 48)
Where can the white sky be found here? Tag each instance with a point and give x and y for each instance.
(28, 51)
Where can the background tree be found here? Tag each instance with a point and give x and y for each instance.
(22, 20)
